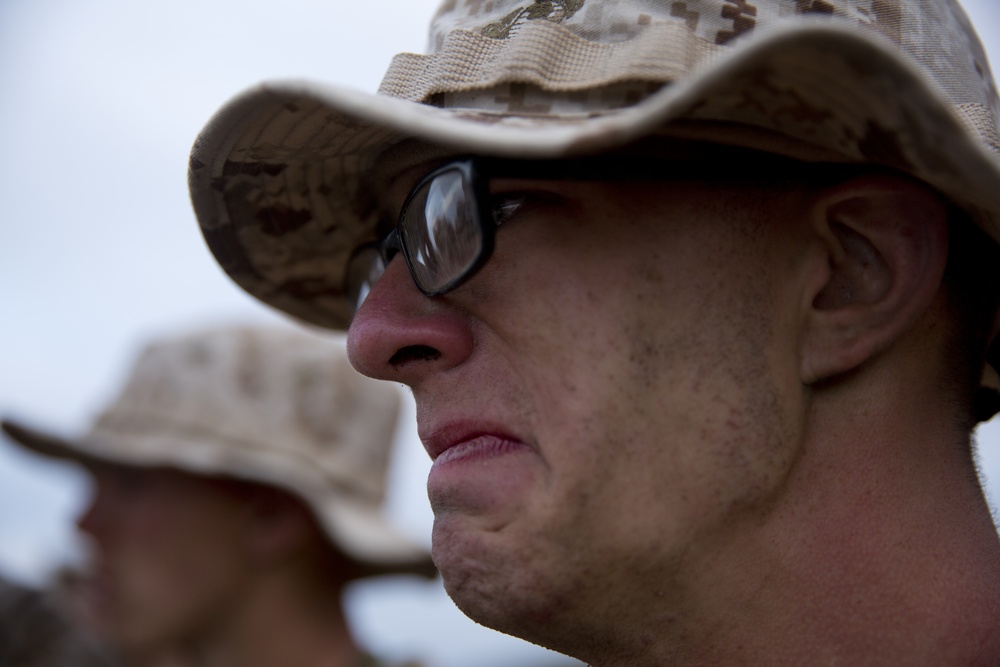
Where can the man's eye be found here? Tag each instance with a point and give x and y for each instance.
(516, 203)
(505, 206)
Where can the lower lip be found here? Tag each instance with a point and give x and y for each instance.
(479, 476)
(478, 449)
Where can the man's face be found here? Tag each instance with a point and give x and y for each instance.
(607, 399)
(170, 554)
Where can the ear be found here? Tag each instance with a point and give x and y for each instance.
(885, 242)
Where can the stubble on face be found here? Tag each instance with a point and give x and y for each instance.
(657, 414)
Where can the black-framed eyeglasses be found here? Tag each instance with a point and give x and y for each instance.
(447, 225)
(445, 232)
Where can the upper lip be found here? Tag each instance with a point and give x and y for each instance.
(438, 439)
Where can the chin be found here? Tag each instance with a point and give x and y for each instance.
(524, 612)
(502, 587)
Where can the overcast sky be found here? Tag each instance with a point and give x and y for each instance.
(99, 104)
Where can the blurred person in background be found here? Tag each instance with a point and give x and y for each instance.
(239, 477)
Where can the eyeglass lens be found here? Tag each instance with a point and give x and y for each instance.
(441, 234)
(363, 271)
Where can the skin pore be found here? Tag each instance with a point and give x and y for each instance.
(676, 410)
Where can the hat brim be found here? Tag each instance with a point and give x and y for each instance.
(283, 179)
(357, 529)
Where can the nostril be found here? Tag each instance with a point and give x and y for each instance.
(410, 353)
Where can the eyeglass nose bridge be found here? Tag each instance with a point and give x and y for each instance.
(391, 246)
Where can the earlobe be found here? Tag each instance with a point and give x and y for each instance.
(885, 242)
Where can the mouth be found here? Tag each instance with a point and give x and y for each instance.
(457, 443)
(478, 469)
(478, 447)
(94, 592)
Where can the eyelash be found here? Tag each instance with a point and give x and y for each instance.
(506, 205)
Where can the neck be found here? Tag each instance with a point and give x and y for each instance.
(893, 561)
(880, 550)
(279, 625)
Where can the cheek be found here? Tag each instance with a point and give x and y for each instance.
(648, 370)
(666, 400)
(171, 570)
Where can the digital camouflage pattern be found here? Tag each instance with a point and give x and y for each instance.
(285, 178)
(540, 9)
(917, 28)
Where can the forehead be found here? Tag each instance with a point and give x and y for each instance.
(707, 157)
(656, 161)
(652, 160)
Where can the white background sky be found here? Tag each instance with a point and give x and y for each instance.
(99, 104)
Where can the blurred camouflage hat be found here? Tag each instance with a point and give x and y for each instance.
(269, 405)
(285, 176)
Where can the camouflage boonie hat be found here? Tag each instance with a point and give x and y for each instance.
(268, 405)
(284, 177)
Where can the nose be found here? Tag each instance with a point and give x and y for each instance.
(98, 516)
(401, 335)
(92, 519)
